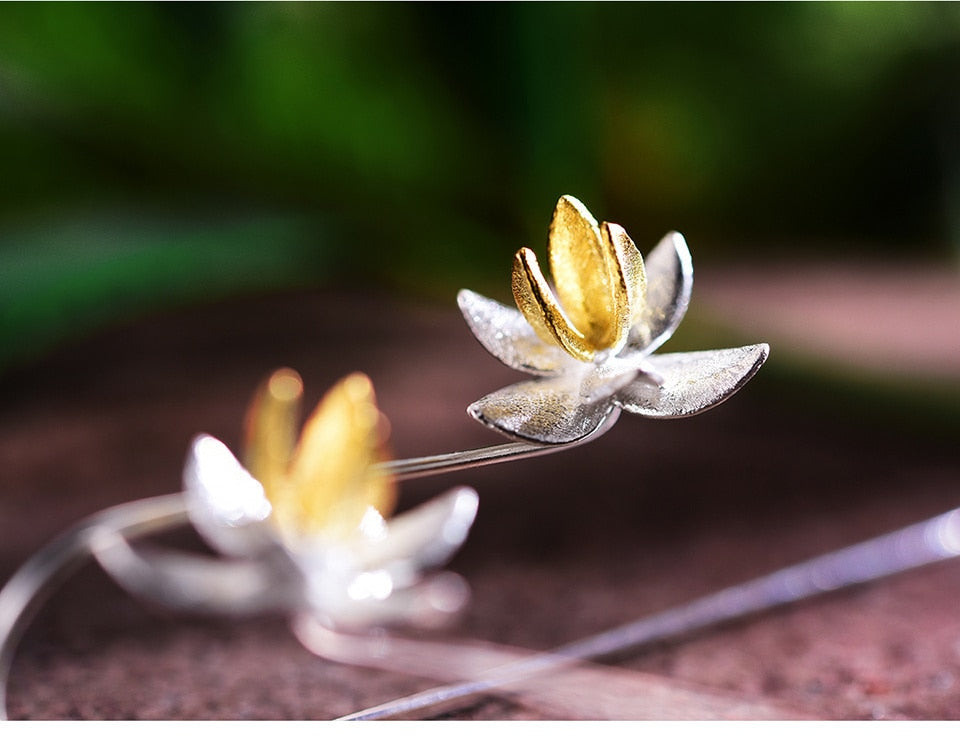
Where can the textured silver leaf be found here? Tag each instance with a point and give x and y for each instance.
(669, 269)
(547, 411)
(504, 332)
(692, 382)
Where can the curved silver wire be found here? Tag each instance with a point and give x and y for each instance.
(26, 591)
(920, 544)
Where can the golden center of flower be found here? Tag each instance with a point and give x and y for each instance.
(599, 279)
(325, 483)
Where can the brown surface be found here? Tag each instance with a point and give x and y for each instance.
(652, 514)
(578, 690)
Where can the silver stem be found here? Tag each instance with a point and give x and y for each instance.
(26, 591)
(908, 548)
(421, 467)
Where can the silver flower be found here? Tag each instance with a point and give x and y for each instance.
(591, 343)
(304, 526)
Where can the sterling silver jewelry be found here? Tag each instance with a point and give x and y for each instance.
(303, 527)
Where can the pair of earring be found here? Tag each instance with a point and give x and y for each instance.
(304, 523)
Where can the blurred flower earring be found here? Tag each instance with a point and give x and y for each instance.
(304, 528)
(308, 521)
(591, 341)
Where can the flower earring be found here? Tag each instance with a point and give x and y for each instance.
(304, 528)
(591, 343)
(308, 520)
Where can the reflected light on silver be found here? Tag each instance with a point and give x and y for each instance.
(457, 525)
(448, 593)
(227, 487)
(372, 525)
(375, 585)
(945, 534)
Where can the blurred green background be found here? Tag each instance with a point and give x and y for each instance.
(155, 155)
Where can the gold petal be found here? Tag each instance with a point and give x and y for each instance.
(580, 262)
(332, 481)
(271, 429)
(537, 303)
(629, 278)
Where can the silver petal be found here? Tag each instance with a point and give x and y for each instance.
(226, 504)
(692, 382)
(423, 537)
(201, 584)
(548, 411)
(504, 332)
(669, 269)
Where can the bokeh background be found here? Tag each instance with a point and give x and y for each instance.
(159, 155)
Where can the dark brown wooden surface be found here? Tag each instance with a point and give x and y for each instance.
(651, 515)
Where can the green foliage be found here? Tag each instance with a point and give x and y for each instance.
(419, 145)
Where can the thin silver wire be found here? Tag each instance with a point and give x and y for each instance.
(920, 544)
(421, 467)
(29, 587)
